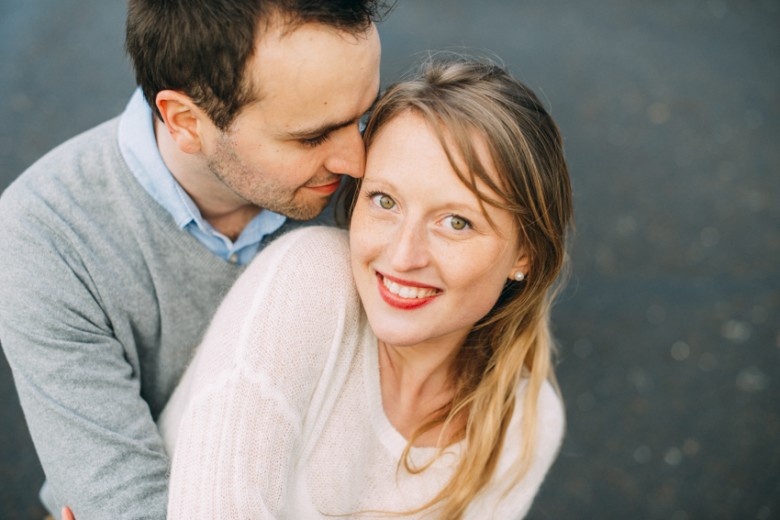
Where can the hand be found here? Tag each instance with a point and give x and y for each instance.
(67, 514)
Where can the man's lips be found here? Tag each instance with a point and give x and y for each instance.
(403, 294)
(326, 189)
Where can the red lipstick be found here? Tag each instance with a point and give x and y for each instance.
(399, 302)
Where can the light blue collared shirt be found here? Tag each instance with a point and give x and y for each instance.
(138, 145)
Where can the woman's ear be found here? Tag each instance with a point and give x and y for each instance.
(521, 268)
(183, 119)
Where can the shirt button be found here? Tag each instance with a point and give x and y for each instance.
(233, 258)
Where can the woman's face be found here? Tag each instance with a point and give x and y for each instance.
(427, 263)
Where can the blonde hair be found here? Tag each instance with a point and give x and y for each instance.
(460, 97)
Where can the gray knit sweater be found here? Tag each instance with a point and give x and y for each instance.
(102, 300)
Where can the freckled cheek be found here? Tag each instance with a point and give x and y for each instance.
(362, 236)
(476, 296)
(473, 280)
(366, 225)
(482, 275)
(367, 239)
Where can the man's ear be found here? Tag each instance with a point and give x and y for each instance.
(183, 119)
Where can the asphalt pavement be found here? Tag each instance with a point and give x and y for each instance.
(669, 330)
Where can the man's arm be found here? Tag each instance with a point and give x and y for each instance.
(79, 388)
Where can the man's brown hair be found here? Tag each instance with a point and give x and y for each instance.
(201, 47)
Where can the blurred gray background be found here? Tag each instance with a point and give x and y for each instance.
(670, 327)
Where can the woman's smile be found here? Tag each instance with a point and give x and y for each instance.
(429, 259)
(403, 294)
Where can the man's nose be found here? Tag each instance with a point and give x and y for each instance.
(347, 154)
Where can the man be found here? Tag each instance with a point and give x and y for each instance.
(119, 244)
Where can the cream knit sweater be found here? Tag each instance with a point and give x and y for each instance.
(280, 413)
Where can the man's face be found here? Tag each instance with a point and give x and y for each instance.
(287, 151)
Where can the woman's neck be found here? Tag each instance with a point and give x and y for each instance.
(416, 383)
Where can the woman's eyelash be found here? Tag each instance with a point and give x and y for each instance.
(381, 199)
(457, 220)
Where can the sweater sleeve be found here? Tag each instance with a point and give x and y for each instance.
(236, 421)
(93, 432)
(499, 500)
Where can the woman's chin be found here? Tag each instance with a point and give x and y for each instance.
(397, 340)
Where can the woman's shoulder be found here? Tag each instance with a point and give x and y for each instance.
(550, 407)
(297, 291)
(319, 235)
(550, 420)
(307, 258)
(550, 415)
(507, 497)
(310, 242)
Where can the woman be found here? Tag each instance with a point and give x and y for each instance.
(425, 388)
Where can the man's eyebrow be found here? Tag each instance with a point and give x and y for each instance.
(308, 133)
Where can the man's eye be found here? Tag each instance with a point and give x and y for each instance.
(383, 200)
(457, 223)
(313, 142)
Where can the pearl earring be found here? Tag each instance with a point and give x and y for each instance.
(519, 276)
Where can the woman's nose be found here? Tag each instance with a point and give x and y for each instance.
(410, 249)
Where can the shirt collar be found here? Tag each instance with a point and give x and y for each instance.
(138, 145)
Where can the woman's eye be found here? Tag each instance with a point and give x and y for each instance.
(457, 223)
(383, 201)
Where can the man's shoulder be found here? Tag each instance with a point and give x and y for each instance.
(79, 156)
(75, 173)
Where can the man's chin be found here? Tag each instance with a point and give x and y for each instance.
(306, 211)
